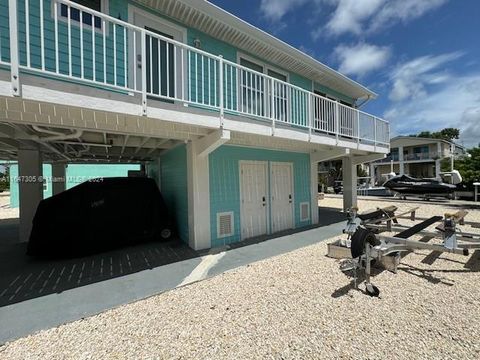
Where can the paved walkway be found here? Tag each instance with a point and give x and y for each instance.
(26, 317)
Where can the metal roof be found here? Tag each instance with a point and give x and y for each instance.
(220, 24)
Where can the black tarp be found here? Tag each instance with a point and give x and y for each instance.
(98, 215)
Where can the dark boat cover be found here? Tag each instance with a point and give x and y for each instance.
(405, 184)
(98, 215)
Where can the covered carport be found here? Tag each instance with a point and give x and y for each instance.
(32, 146)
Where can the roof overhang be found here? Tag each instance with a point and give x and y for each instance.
(414, 140)
(220, 24)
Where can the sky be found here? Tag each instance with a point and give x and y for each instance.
(421, 56)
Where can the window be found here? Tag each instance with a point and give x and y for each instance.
(394, 154)
(160, 65)
(280, 96)
(86, 17)
(252, 90)
(324, 112)
(255, 91)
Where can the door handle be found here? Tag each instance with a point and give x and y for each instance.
(264, 201)
(139, 61)
(290, 198)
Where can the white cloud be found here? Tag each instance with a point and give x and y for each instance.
(275, 10)
(402, 11)
(350, 14)
(368, 16)
(409, 80)
(361, 58)
(455, 103)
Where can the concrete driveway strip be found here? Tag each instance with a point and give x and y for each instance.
(24, 318)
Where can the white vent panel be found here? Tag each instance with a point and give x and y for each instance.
(225, 225)
(304, 211)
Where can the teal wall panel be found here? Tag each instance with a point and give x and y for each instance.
(4, 31)
(119, 10)
(333, 93)
(14, 195)
(225, 183)
(204, 71)
(75, 174)
(173, 176)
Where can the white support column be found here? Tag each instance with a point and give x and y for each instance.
(153, 169)
(400, 160)
(372, 175)
(14, 54)
(198, 198)
(438, 168)
(349, 169)
(314, 189)
(30, 188)
(59, 182)
(452, 157)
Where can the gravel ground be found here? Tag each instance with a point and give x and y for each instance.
(5, 211)
(425, 209)
(298, 305)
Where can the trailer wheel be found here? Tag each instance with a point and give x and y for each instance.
(166, 234)
(372, 290)
(359, 238)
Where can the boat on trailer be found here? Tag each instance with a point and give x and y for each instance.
(427, 188)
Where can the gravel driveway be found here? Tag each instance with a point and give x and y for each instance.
(298, 305)
(5, 211)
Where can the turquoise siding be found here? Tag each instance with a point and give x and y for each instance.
(119, 10)
(214, 47)
(225, 183)
(4, 31)
(334, 94)
(75, 174)
(14, 195)
(173, 167)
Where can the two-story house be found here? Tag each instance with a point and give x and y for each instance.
(416, 156)
(228, 119)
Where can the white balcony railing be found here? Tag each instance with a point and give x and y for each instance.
(71, 42)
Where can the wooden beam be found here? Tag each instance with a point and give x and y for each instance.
(320, 156)
(367, 158)
(212, 141)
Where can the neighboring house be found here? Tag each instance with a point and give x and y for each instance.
(228, 119)
(415, 156)
(75, 173)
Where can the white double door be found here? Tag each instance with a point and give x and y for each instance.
(266, 197)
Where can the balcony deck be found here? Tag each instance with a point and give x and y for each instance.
(105, 64)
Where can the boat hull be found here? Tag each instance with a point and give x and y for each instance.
(407, 185)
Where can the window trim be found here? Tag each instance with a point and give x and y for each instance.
(263, 64)
(136, 16)
(265, 67)
(104, 9)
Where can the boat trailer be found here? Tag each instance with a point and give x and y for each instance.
(367, 244)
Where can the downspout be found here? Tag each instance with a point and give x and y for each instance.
(366, 101)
